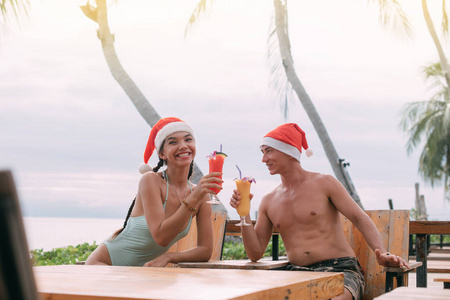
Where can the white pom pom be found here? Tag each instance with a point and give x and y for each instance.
(309, 152)
(144, 168)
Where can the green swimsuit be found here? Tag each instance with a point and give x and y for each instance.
(135, 245)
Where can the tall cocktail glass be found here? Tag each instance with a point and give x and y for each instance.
(216, 161)
(243, 186)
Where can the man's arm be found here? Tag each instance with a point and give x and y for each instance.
(255, 238)
(348, 207)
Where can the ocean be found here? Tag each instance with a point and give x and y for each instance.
(49, 233)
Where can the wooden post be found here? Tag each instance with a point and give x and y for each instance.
(421, 255)
(391, 205)
(16, 275)
(275, 247)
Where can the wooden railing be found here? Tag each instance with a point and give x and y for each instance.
(422, 229)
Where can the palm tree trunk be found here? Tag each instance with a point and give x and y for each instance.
(437, 43)
(143, 106)
(338, 165)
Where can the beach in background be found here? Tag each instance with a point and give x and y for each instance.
(49, 233)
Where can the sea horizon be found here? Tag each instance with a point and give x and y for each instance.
(48, 233)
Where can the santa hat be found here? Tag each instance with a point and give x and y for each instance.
(288, 138)
(160, 131)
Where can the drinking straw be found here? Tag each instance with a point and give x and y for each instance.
(240, 173)
(220, 147)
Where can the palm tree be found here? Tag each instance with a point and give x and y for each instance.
(431, 119)
(281, 35)
(284, 79)
(428, 118)
(12, 9)
(99, 15)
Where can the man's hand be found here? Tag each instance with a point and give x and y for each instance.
(236, 197)
(390, 260)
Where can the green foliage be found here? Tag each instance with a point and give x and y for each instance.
(436, 238)
(62, 256)
(233, 250)
(70, 255)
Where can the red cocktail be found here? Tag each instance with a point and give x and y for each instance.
(216, 161)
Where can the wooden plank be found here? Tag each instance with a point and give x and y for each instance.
(244, 264)
(106, 282)
(411, 293)
(429, 227)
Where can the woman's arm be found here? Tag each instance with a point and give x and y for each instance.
(165, 230)
(203, 250)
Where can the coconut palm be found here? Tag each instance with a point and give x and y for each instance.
(99, 15)
(13, 9)
(284, 79)
(431, 120)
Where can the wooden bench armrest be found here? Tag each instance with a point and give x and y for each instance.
(412, 266)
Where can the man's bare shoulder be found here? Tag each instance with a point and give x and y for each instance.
(270, 195)
(322, 178)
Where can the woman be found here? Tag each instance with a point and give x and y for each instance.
(165, 204)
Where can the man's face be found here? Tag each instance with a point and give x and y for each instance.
(271, 157)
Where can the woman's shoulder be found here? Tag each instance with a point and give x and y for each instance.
(151, 178)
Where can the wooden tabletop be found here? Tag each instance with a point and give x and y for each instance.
(414, 293)
(244, 264)
(99, 282)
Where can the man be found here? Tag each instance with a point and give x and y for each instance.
(306, 208)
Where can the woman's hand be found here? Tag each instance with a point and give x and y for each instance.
(160, 261)
(390, 260)
(205, 184)
(236, 198)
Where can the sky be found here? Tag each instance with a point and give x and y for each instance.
(74, 141)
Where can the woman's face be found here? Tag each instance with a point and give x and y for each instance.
(179, 148)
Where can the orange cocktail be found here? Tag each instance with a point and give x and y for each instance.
(243, 185)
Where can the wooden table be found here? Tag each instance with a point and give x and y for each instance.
(104, 282)
(413, 293)
(245, 264)
(446, 282)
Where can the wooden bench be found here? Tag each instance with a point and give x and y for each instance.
(394, 228)
(446, 282)
(413, 293)
(219, 222)
(422, 229)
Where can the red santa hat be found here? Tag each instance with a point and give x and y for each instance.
(160, 131)
(288, 138)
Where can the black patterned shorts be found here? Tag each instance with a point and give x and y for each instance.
(353, 278)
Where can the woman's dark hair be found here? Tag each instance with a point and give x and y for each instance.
(161, 163)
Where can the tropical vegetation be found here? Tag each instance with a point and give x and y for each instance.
(70, 255)
(427, 123)
(12, 10)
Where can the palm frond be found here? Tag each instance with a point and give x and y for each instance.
(12, 10)
(202, 7)
(393, 17)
